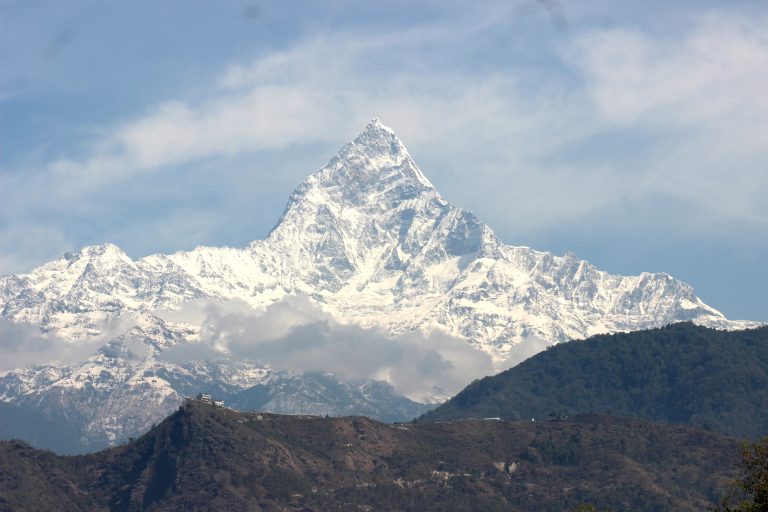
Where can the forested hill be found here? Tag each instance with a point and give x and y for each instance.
(681, 373)
(206, 458)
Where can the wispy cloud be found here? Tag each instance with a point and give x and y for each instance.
(175, 133)
(318, 90)
(715, 70)
(701, 90)
(23, 345)
(294, 334)
(702, 96)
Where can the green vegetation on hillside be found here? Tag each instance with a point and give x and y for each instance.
(749, 493)
(681, 373)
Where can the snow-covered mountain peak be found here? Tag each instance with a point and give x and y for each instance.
(374, 171)
(369, 215)
(379, 139)
(106, 251)
(369, 238)
(371, 241)
(380, 145)
(376, 124)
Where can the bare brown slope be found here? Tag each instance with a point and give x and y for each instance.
(203, 458)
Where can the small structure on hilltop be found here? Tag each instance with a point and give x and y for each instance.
(208, 399)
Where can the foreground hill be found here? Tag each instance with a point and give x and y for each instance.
(202, 458)
(681, 373)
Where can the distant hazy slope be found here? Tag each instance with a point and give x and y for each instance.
(681, 373)
(17, 422)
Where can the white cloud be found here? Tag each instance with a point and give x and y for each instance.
(23, 345)
(294, 334)
(263, 118)
(715, 70)
(702, 96)
(324, 89)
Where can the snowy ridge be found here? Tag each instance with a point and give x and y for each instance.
(372, 242)
(370, 238)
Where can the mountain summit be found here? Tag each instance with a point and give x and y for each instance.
(370, 217)
(373, 171)
(371, 242)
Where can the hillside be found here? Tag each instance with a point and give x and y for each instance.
(202, 458)
(681, 373)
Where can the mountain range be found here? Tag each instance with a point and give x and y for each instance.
(369, 242)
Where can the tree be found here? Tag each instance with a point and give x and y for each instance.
(750, 492)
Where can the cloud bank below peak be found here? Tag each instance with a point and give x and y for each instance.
(295, 335)
(23, 345)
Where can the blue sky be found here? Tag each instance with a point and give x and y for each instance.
(632, 133)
